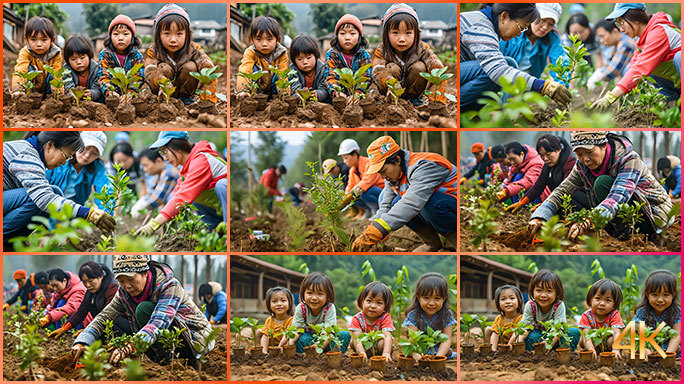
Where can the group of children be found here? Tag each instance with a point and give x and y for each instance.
(401, 56)
(430, 308)
(659, 303)
(171, 56)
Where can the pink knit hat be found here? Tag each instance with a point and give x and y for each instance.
(122, 19)
(349, 19)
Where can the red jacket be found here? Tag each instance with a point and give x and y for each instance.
(200, 173)
(73, 294)
(362, 179)
(269, 179)
(530, 168)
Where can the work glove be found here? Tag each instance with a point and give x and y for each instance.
(370, 236)
(23, 307)
(604, 102)
(463, 180)
(78, 332)
(212, 322)
(578, 229)
(120, 354)
(557, 92)
(57, 333)
(44, 321)
(501, 195)
(515, 207)
(347, 199)
(101, 219)
(481, 181)
(5, 307)
(148, 229)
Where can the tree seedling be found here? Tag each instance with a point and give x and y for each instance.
(211, 241)
(29, 350)
(204, 352)
(436, 77)
(171, 339)
(187, 220)
(127, 82)
(112, 196)
(120, 341)
(557, 329)
(286, 78)
(94, 362)
(415, 345)
(306, 94)
(167, 88)
(134, 371)
(237, 324)
(252, 81)
(434, 337)
(566, 204)
(27, 85)
(631, 215)
(106, 243)
(561, 118)
(395, 89)
(598, 336)
(370, 339)
(140, 345)
(327, 336)
(290, 332)
(467, 322)
(519, 329)
(79, 94)
(552, 234)
(354, 83)
(296, 220)
(327, 197)
(64, 234)
(253, 324)
(566, 65)
(670, 117)
(483, 323)
(57, 82)
(483, 224)
(206, 76)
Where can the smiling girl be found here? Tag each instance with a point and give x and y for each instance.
(603, 299)
(280, 303)
(660, 303)
(508, 301)
(347, 51)
(121, 50)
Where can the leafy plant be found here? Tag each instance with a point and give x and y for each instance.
(187, 220)
(557, 329)
(670, 117)
(79, 94)
(296, 220)
(286, 78)
(211, 241)
(328, 335)
(598, 336)
(206, 76)
(94, 362)
(395, 89)
(258, 199)
(120, 341)
(354, 83)
(519, 329)
(306, 94)
(128, 82)
(552, 234)
(27, 85)
(237, 324)
(204, 352)
(578, 217)
(252, 81)
(467, 322)
(561, 118)
(290, 332)
(253, 324)
(134, 371)
(436, 77)
(566, 204)
(106, 243)
(434, 337)
(401, 291)
(64, 234)
(631, 215)
(665, 335)
(370, 339)
(483, 323)
(111, 196)
(483, 224)
(171, 339)
(167, 88)
(57, 82)
(566, 65)
(415, 344)
(28, 349)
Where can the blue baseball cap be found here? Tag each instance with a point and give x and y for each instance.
(621, 8)
(122, 136)
(166, 136)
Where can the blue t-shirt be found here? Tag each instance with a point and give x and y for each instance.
(411, 319)
(641, 316)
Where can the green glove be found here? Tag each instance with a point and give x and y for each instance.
(604, 102)
(148, 229)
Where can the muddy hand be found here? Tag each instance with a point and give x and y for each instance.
(533, 226)
(120, 353)
(76, 352)
(578, 229)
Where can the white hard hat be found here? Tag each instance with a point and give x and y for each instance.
(348, 146)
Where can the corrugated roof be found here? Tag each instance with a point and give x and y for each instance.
(256, 262)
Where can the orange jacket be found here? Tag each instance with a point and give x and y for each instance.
(358, 176)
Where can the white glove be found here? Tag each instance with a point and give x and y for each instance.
(595, 78)
(137, 207)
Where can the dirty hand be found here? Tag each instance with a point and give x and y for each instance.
(148, 229)
(17, 94)
(347, 199)
(604, 102)
(578, 229)
(533, 226)
(388, 356)
(515, 207)
(5, 307)
(557, 92)
(370, 236)
(101, 219)
(77, 351)
(357, 190)
(501, 195)
(57, 333)
(617, 353)
(462, 181)
(120, 353)
(44, 321)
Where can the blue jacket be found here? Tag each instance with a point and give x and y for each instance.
(533, 59)
(222, 302)
(673, 183)
(77, 187)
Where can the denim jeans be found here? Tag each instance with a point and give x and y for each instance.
(211, 217)
(667, 88)
(306, 339)
(535, 337)
(474, 82)
(18, 210)
(370, 198)
(439, 212)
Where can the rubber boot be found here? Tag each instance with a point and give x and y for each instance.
(431, 239)
(452, 237)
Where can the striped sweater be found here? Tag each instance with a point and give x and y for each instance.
(480, 41)
(24, 168)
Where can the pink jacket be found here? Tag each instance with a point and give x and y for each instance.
(73, 294)
(530, 168)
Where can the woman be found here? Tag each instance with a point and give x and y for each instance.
(499, 154)
(85, 171)
(67, 297)
(658, 52)
(203, 180)
(482, 62)
(610, 173)
(526, 166)
(151, 299)
(620, 51)
(420, 192)
(122, 154)
(578, 25)
(101, 288)
(43, 296)
(216, 301)
(165, 177)
(26, 190)
(540, 44)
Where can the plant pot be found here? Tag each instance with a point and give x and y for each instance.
(636, 361)
(238, 352)
(539, 348)
(356, 360)
(518, 348)
(273, 351)
(310, 351)
(669, 360)
(423, 362)
(378, 363)
(607, 359)
(289, 351)
(486, 349)
(563, 355)
(502, 349)
(468, 349)
(405, 363)
(339, 103)
(585, 357)
(654, 358)
(261, 101)
(369, 107)
(437, 363)
(256, 352)
(334, 359)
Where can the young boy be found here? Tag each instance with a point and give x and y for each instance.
(265, 50)
(310, 69)
(78, 59)
(41, 50)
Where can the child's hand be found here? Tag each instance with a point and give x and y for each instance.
(242, 95)
(88, 94)
(416, 356)
(17, 94)
(365, 357)
(264, 350)
(290, 341)
(388, 356)
(617, 354)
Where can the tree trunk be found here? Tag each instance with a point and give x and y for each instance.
(250, 185)
(445, 143)
(642, 136)
(195, 279)
(666, 143)
(207, 267)
(654, 148)
(320, 159)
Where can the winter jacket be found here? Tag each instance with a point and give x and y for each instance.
(253, 58)
(92, 84)
(426, 173)
(29, 59)
(359, 177)
(550, 178)
(200, 173)
(108, 60)
(335, 60)
(269, 179)
(424, 54)
(673, 180)
(94, 303)
(172, 304)
(73, 295)
(319, 83)
(42, 300)
(530, 168)
(533, 59)
(218, 299)
(633, 179)
(483, 167)
(656, 48)
(78, 186)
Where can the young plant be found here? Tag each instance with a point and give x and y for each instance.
(290, 332)
(286, 78)
(206, 76)
(134, 371)
(167, 88)
(354, 83)
(370, 339)
(329, 336)
(483, 223)
(28, 349)
(519, 329)
(79, 94)
(434, 337)
(561, 118)
(252, 81)
(327, 197)
(57, 83)
(483, 323)
(559, 330)
(140, 345)
(646, 97)
(120, 341)
(253, 324)
(631, 215)
(203, 352)
(171, 339)
(467, 322)
(187, 221)
(296, 220)
(670, 117)
(552, 234)
(665, 335)
(566, 65)
(401, 291)
(395, 89)
(598, 336)
(566, 204)
(111, 196)
(237, 324)
(437, 77)
(127, 82)
(306, 94)
(415, 345)
(106, 243)
(64, 234)
(578, 217)
(211, 241)
(94, 362)
(27, 85)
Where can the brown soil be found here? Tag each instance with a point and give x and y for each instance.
(56, 364)
(528, 368)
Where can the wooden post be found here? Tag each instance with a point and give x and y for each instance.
(490, 294)
(445, 143)
(207, 268)
(260, 287)
(195, 280)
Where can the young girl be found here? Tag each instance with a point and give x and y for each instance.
(40, 50)
(603, 299)
(174, 55)
(546, 289)
(280, 303)
(305, 54)
(78, 59)
(265, 50)
(121, 50)
(660, 302)
(508, 300)
(375, 302)
(347, 51)
(431, 308)
(316, 308)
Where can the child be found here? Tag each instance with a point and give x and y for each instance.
(546, 304)
(660, 302)
(375, 302)
(280, 303)
(174, 56)
(508, 300)
(121, 50)
(41, 50)
(316, 308)
(347, 51)
(310, 69)
(430, 308)
(78, 59)
(402, 56)
(603, 299)
(265, 50)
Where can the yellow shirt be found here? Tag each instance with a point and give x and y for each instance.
(500, 321)
(271, 324)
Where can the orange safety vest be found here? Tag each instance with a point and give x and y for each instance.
(448, 186)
